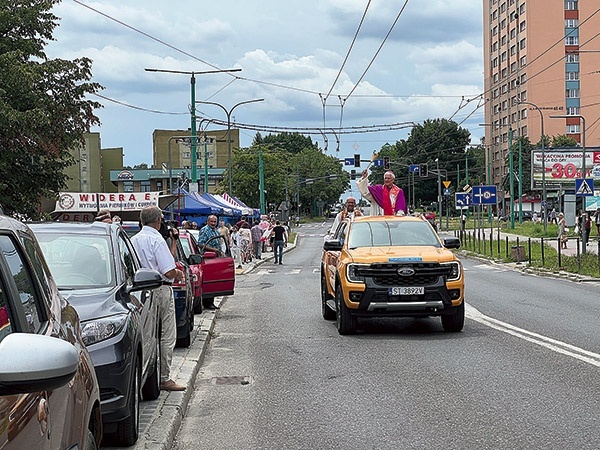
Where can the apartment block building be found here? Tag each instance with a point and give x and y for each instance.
(541, 59)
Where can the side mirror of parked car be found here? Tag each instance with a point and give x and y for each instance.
(145, 279)
(333, 245)
(195, 258)
(452, 242)
(35, 362)
(209, 255)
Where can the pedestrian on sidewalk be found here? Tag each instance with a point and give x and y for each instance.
(154, 253)
(597, 221)
(587, 227)
(562, 231)
(279, 241)
(257, 242)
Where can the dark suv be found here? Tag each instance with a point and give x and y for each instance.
(97, 269)
(50, 395)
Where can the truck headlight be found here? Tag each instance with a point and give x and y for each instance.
(455, 270)
(353, 273)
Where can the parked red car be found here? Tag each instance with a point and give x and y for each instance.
(189, 247)
(217, 271)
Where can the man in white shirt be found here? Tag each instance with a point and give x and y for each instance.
(347, 213)
(154, 253)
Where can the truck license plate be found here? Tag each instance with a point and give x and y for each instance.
(418, 290)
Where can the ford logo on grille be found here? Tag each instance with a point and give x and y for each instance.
(406, 271)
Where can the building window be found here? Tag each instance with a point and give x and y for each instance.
(513, 50)
(186, 155)
(523, 78)
(145, 186)
(572, 57)
(513, 67)
(571, 23)
(523, 61)
(524, 114)
(572, 129)
(572, 40)
(127, 186)
(523, 43)
(572, 76)
(572, 93)
(573, 111)
(504, 73)
(524, 96)
(504, 40)
(571, 5)
(524, 131)
(495, 77)
(503, 56)
(503, 24)
(513, 33)
(159, 185)
(522, 26)
(84, 169)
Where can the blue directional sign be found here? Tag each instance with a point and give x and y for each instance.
(348, 161)
(378, 162)
(484, 195)
(413, 168)
(462, 200)
(584, 187)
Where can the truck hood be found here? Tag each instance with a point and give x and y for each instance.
(369, 255)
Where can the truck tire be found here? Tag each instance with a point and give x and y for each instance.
(454, 323)
(346, 322)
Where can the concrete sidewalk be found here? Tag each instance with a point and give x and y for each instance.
(160, 419)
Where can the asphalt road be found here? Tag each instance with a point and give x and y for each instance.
(276, 375)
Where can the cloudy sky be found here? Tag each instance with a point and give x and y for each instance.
(296, 54)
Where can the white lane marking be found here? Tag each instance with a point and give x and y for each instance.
(538, 339)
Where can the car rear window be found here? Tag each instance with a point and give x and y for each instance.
(391, 233)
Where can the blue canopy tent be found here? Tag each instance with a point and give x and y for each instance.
(193, 204)
(227, 209)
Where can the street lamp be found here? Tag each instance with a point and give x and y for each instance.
(228, 113)
(544, 197)
(193, 109)
(583, 174)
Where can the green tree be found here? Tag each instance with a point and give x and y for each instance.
(439, 139)
(562, 141)
(43, 107)
(295, 170)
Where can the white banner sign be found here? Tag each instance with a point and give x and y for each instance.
(563, 167)
(82, 202)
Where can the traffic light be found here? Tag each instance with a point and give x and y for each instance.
(386, 162)
(423, 171)
(353, 174)
(357, 160)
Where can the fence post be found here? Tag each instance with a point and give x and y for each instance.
(542, 251)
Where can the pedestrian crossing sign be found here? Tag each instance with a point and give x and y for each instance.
(584, 187)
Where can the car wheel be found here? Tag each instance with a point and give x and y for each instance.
(151, 388)
(328, 313)
(455, 322)
(90, 441)
(346, 323)
(127, 430)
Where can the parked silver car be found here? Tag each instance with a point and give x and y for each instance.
(97, 270)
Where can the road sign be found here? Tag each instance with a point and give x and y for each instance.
(462, 200)
(447, 192)
(446, 183)
(348, 161)
(413, 168)
(484, 195)
(584, 187)
(378, 162)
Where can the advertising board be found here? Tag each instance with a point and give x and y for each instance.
(563, 166)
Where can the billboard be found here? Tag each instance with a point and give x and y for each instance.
(563, 166)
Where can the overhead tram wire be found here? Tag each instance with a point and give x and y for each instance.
(378, 50)
(324, 100)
